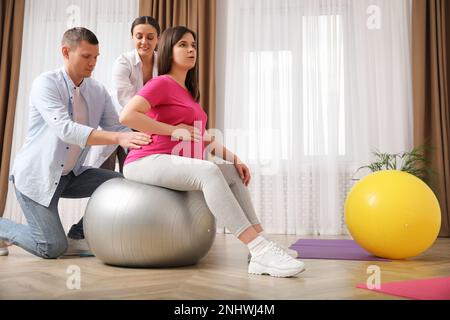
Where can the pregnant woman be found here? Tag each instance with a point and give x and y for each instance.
(167, 108)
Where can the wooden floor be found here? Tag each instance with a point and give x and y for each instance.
(222, 274)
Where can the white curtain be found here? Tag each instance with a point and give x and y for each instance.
(44, 24)
(306, 89)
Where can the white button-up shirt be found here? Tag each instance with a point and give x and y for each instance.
(127, 77)
(127, 80)
(39, 164)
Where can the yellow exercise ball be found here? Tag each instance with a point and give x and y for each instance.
(393, 214)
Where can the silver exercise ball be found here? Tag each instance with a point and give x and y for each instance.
(137, 225)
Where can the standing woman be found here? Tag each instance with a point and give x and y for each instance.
(131, 71)
(167, 107)
(135, 68)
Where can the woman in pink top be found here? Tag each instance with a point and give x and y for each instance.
(167, 108)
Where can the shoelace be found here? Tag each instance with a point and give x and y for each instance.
(279, 251)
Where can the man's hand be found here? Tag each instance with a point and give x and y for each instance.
(186, 133)
(133, 140)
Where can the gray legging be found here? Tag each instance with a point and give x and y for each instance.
(225, 194)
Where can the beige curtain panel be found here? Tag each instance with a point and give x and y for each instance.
(11, 29)
(199, 16)
(431, 71)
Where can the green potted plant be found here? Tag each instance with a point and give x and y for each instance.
(413, 162)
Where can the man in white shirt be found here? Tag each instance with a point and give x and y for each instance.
(66, 107)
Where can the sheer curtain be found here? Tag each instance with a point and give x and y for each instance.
(44, 24)
(306, 89)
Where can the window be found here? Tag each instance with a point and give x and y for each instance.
(297, 98)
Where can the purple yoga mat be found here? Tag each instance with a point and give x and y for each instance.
(332, 249)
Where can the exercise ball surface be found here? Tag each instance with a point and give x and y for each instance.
(393, 214)
(137, 225)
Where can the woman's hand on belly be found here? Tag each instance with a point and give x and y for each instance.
(186, 133)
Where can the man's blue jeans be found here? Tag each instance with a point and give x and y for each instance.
(44, 235)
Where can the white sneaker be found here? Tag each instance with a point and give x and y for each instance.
(78, 248)
(274, 261)
(3, 248)
(290, 252)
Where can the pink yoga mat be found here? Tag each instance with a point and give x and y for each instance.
(424, 289)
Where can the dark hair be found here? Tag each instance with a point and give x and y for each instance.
(146, 20)
(74, 36)
(168, 40)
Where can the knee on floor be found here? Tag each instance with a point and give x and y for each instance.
(52, 248)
